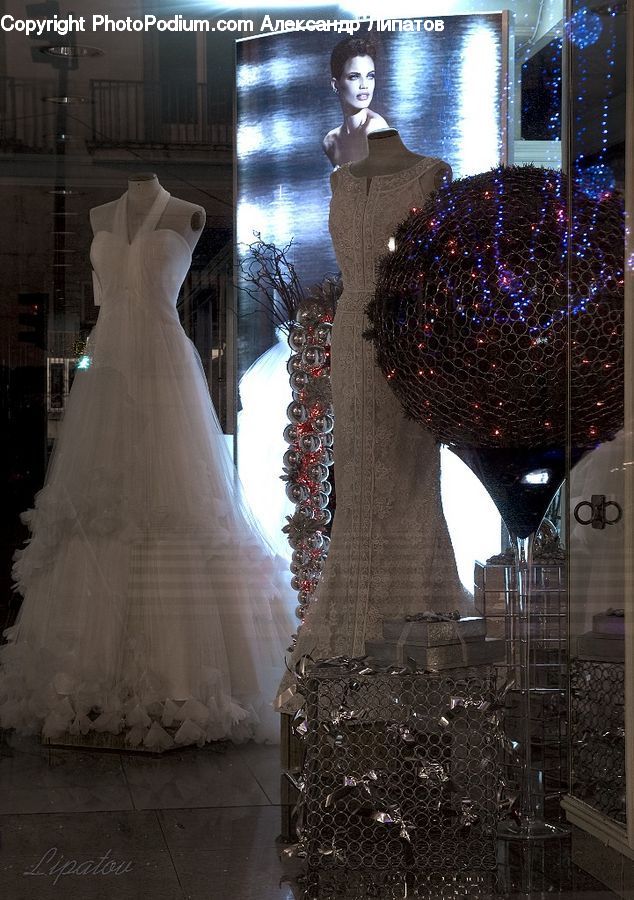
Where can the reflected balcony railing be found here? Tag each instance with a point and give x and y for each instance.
(117, 113)
(26, 126)
(140, 112)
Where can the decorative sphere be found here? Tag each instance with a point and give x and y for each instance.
(297, 412)
(323, 333)
(309, 312)
(318, 472)
(298, 338)
(313, 356)
(315, 540)
(299, 380)
(310, 443)
(296, 492)
(328, 456)
(584, 28)
(481, 329)
(324, 424)
(291, 459)
(301, 557)
(322, 516)
(290, 434)
(470, 315)
(294, 364)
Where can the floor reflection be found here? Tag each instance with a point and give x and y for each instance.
(204, 825)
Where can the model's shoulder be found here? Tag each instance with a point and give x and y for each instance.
(331, 139)
(330, 146)
(375, 121)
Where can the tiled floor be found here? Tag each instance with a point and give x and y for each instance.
(193, 825)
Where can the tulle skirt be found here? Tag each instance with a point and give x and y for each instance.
(153, 605)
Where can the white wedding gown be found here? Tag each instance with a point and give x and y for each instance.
(152, 604)
(390, 553)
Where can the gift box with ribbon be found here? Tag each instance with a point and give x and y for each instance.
(436, 641)
(601, 646)
(433, 630)
(435, 659)
(611, 622)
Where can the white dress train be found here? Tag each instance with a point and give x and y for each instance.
(265, 393)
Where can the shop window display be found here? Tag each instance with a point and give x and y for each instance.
(157, 582)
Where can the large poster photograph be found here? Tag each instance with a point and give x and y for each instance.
(306, 104)
(307, 100)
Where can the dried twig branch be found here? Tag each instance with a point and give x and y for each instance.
(272, 281)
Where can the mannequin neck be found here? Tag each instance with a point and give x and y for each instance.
(143, 187)
(387, 154)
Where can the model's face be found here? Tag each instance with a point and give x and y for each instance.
(355, 87)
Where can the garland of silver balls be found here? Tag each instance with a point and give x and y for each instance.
(309, 434)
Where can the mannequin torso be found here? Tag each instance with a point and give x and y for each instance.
(387, 155)
(183, 217)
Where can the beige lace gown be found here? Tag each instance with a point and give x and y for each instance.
(390, 552)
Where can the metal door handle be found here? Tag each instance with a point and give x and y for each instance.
(598, 506)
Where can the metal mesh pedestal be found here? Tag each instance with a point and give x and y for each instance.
(401, 771)
(598, 735)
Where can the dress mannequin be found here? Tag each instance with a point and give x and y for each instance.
(390, 553)
(153, 608)
(188, 219)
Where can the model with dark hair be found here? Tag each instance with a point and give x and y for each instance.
(352, 78)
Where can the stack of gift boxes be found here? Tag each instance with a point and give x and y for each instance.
(606, 641)
(436, 641)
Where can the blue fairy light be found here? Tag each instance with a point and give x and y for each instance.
(584, 28)
(596, 180)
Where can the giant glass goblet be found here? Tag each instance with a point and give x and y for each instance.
(495, 304)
